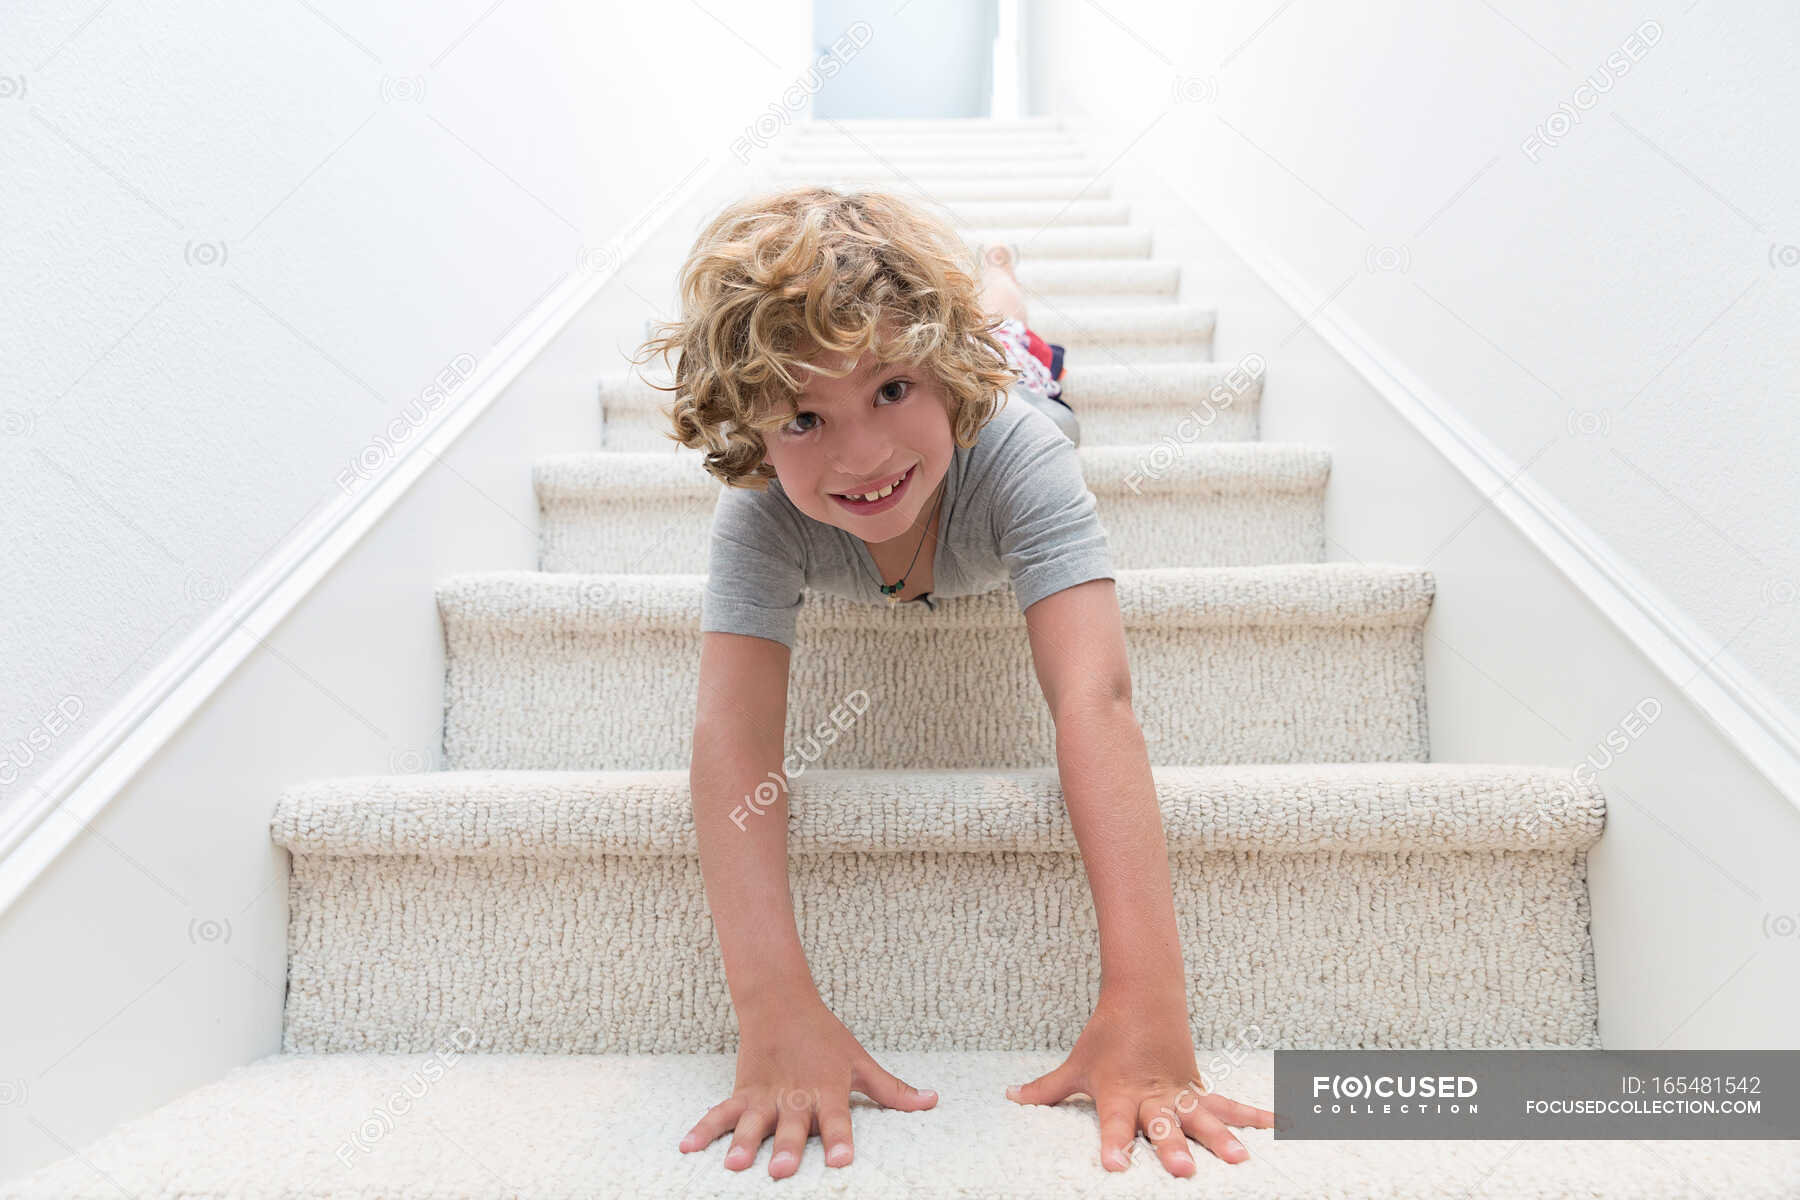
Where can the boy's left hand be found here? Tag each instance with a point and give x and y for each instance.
(1135, 1058)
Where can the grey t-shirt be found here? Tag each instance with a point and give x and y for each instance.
(1015, 507)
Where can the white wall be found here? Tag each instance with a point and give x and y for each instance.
(237, 239)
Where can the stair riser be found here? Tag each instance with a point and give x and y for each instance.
(1037, 298)
(925, 172)
(1194, 348)
(1162, 408)
(968, 158)
(1073, 277)
(1117, 335)
(1020, 185)
(929, 126)
(663, 534)
(1064, 242)
(538, 694)
(1042, 214)
(884, 142)
(1114, 336)
(939, 951)
(1049, 282)
(628, 426)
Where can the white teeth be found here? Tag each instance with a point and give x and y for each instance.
(872, 496)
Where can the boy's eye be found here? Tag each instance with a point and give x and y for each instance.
(904, 384)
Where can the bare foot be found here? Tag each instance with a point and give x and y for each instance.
(1002, 258)
(1000, 290)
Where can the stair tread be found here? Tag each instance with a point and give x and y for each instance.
(1289, 594)
(965, 156)
(1064, 241)
(1126, 322)
(828, 127)
(1212, 467)
(1269, 808)
(1111, 384)
(827, 170)
(500, 1125)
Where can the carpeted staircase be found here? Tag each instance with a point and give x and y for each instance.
(503, 979)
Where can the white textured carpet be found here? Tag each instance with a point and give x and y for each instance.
(1351, 906)
(1157, 408)
(1220, 504)
(444, 1126)
(1313, 662)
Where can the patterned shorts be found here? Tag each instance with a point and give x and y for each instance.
(1039, 363)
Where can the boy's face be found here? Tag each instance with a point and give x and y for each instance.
(858, 433)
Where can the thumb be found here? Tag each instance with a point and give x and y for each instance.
(1049, 1088)
(889, 1090)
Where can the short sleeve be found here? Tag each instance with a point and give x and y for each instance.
(1046, 520)
(755, 576)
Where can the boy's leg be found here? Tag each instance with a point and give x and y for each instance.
(1000, 290)
(1002, 296)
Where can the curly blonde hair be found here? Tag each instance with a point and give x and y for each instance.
(810, 270)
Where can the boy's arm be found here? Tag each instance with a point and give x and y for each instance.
(740, 807)
(1135, 1057)
(1078, 651)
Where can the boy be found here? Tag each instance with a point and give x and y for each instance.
(852, 386)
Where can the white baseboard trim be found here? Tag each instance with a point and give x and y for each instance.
(1744, 710)
(83, 781)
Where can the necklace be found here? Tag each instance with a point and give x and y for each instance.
(892, 590)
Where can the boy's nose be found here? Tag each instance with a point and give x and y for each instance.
(859, 456)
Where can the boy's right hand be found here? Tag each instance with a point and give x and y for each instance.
(795, 1072)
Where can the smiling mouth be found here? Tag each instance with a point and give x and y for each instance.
(880, 494)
